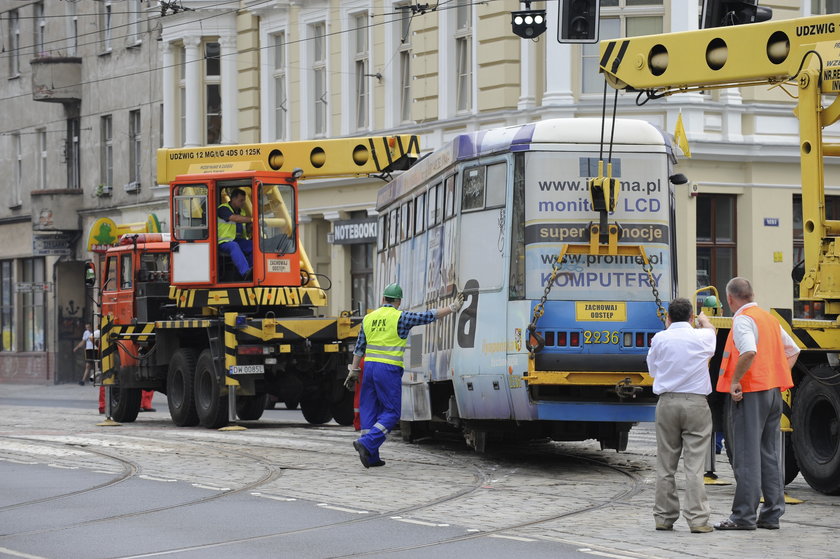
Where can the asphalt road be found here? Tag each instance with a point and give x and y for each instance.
(70, 488)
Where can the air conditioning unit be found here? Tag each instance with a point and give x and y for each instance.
(133, 186)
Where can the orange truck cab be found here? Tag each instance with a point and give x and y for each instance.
(271, 202)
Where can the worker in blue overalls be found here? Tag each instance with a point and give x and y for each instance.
(381, 342)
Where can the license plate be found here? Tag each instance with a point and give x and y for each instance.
(247, 369)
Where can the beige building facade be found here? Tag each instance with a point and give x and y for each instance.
(93, 88)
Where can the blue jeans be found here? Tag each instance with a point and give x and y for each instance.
(380, 403)
(240, 251)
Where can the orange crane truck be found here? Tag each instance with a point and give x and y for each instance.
(177, 316)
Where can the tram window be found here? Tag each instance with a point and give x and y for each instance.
(393, 233)
(472, 189)
(496, 181)
(382, 233)
(434, 202)
(420, 214)
(449, 196)
(406, 221)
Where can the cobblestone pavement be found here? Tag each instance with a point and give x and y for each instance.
(572, 493)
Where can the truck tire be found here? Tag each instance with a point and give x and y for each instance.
(791, 467)
(342, 410)
(211, 406)
(816, 434)
(250, 408)
(125, 403)
(316, 410)
(179, 388)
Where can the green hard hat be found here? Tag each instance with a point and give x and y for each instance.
(393, 291)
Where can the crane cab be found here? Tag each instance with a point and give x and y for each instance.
(272, 232)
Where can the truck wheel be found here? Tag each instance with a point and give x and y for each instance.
(316, 410)
(179, 388)
(211, 406)
(125, 403)
(250, 407)
(342, 410)
(816, 434)
(791, 467)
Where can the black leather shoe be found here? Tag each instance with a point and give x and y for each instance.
(729, 524)
(382, 463)
(767, 525)
(364, 454)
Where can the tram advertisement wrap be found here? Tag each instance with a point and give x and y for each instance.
(558, 211)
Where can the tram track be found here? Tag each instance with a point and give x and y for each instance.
(135, 468)
(631, 487)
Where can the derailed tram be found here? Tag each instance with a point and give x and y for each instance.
(558, 318)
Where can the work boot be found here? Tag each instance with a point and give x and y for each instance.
(364, 453)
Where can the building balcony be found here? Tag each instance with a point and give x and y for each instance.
(57, 209)
(57, 79)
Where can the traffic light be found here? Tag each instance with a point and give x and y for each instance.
(528, 24)
(578, 21)
(719, 13)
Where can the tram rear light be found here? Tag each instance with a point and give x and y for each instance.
(628, 339)
(650, 338)
(574, 339)
(549, 338)
(561, 338)
(640, 339)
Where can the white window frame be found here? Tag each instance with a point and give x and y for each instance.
(17, 154)
(41, 136)
(73, 153)
(134, 12)
(279, 86)
(360, 56)
(211, 80)
(105, 29)
(106, 133)
(14, 46)
(39, 31)
(180, 62)
(318, 100)
(404, 100)
(72, 28)
(464, 73)
(134, 145)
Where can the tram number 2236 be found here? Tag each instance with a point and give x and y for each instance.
(600, 337)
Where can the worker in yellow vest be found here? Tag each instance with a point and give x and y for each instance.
(232, 233)
(382, 340)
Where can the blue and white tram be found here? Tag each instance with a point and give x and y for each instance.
(488, 214)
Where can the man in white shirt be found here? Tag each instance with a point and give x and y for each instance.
(678, 361)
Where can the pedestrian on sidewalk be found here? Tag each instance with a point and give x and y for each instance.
(755, 369)
(678, 361)
(90, 352)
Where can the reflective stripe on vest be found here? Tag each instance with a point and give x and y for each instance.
(227, 229)
(384, 345)
(769, 368)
